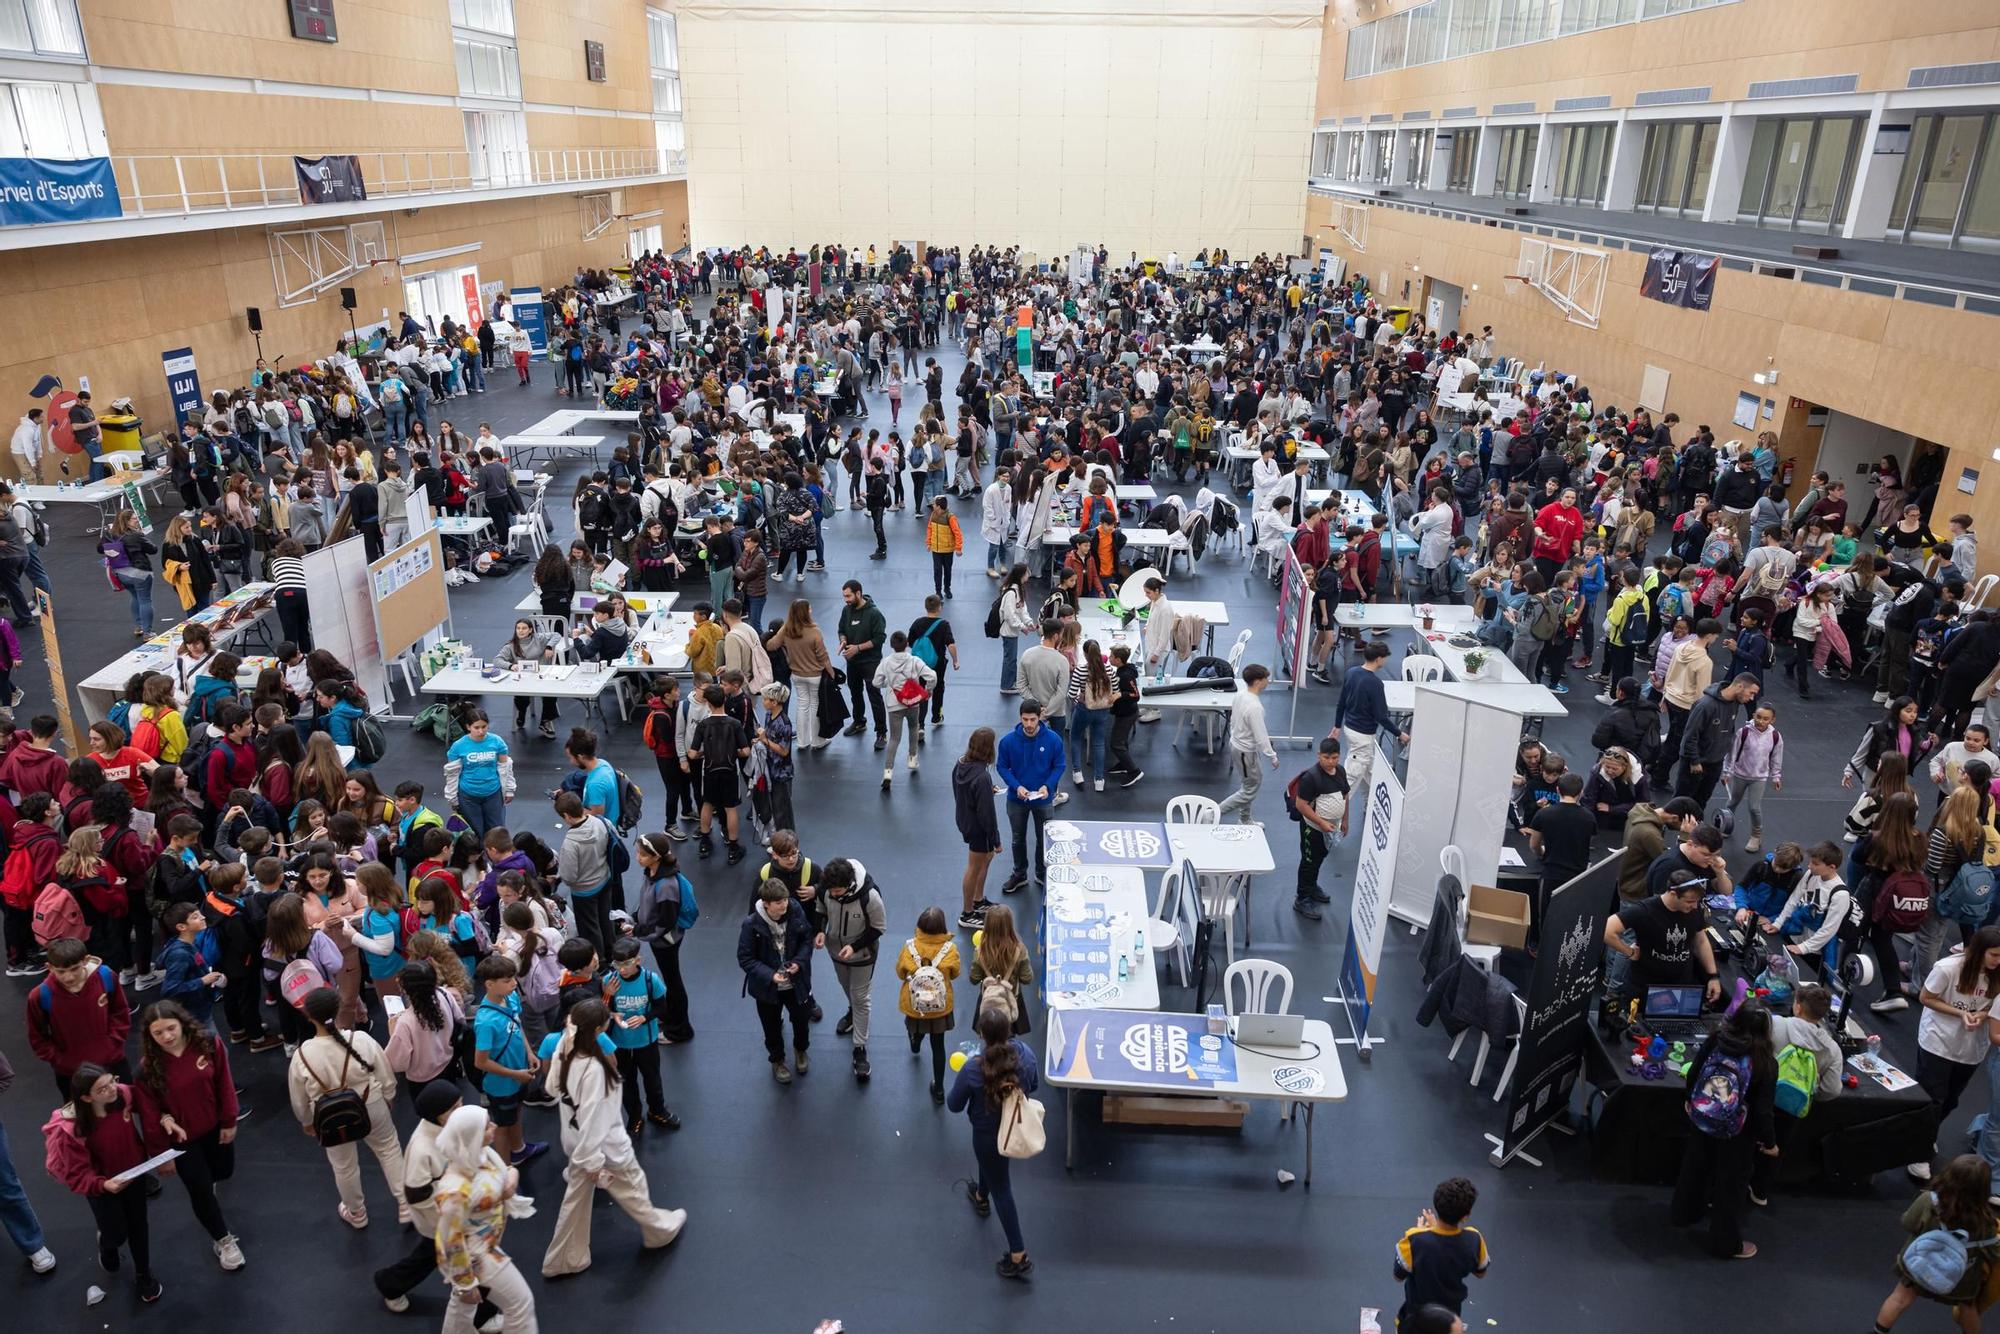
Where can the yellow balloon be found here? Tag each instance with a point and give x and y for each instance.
(977, 936)
(958, 1060)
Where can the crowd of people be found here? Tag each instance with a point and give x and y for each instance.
(279, 898)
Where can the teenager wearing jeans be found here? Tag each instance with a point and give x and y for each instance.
(981, 1092)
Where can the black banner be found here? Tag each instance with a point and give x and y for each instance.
(1561, 995)
(1680, 278)
(330, 180)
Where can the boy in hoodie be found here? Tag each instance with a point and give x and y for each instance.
(585, 865)
(1815, 916)
(1705, 744)
(32, 764)
(856, 917)
(1030, 765)
(608, 637)
(1804, 1027)
(1689, 673)
(36, 845)
(78, 1015)
(190, 976)
(774, 950)
(501, 857)
(236, 928)
(1767, 886)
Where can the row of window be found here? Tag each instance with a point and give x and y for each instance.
(1451, 29)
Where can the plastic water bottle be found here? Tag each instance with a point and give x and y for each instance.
(1139, 944)
(1124, 967)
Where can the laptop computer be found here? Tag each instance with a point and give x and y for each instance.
(1271, 1030)
(1674, 1002)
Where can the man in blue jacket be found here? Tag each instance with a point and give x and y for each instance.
(1030, 763)
(774, 949)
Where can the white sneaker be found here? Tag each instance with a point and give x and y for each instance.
(913, 763)
(229, 1254)
(1919, 1171)
(1099, 785)
(1077, 778)
(397, 1304)
(1889, 1004)
(1880, 697)
(1602, 698)
(42, 1261)
(1149, 715)
(1061, 797)
(148, 980)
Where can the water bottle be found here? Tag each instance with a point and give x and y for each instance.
(1875, 1046)
(1124, 967)
(1139, 944)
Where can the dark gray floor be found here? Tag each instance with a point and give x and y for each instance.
(827, 1200)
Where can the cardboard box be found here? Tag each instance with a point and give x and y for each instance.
(1203, 1112)
(1496, 917)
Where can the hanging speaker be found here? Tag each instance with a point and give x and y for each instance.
(347, 298)
(256, 317)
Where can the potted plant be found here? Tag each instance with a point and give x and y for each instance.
(1475, 662)
(1424, 612)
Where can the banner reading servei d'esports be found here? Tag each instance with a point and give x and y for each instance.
(35, 190)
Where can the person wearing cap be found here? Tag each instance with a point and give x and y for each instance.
(421, 1168)
(1668, 945)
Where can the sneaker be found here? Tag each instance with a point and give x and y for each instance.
(1880, 697)
(548, 731)
(42, 1261)
(781, 1072)
(1008, 1267)
(1889, 1004)
(1755, 843)
(126, 978)
(1060, 799)
(150, 1289)
(1133, 777)
(1013, 884)
(356, 1219)
(937, 1093)
(1602, 698)
(1318, 895)
(528, 1152)
(1599, 678)
(913, 764)
(887, 776)
(818, 1014)
(705, 849)
(735, 853)
(980, 1204)
(396, 1304)
(801, 1061)
(881, 741)
(1559, 688)
(1077, 778)
(676, 833)
(1919, 1171)
(1305, 909)
(861, 1065)
(266, 1042)
(971, 920)
(845, 1026)
(26, 969)
(856, 730)
(1097, 785)
(538, 1098)
(1149, 715)
(1759, 1200)
(665, 1120)
(229, 1254)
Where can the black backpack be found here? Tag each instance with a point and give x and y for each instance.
(339, 1114)
(631, 801)
(993, 619)
(592, 511)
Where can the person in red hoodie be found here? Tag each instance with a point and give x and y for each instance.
(187, 1101)
(36, 845)
(233, 761)
(1558, 530)
(92, 1138)
(32, 764)
(79, 1016)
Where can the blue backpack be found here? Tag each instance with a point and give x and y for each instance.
(1719, 1102)
(690, 910)
(1936, 1261)
(1969, 896)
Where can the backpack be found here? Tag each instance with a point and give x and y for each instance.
(1969, 895)
(57, 915)
(1544, 624)
(1936, 1261)
(592, 511)
(299, 979)
(658, 732)
(339, 1114)
(1798, 1074)
(17, 884)
(997, 993)
(369, 742)
(194, 759)
(146, 737)
(1903, 901)
(993, 619)
(631, 806)
(1719, 1102)
(929, 993)
(541, 982)
(690, 910)
(924, 649)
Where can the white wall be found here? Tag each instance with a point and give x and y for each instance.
(1850, 442)
(1147, 125)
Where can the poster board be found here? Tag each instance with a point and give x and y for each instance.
(1361, 960)
(406, 589)
(1456, 788)
(340, 605)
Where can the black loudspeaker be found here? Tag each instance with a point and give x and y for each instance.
(256, 319)
(347, 298)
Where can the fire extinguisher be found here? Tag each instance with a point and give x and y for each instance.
(1786, 476)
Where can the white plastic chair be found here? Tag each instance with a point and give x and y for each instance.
(1172, 925)
(1259, 978)
(1486, 1044)
(552, 625)
(1193, 808)
(1981, 590)
(528, 528)
(1209, 718)
(1422, 667)
(1220, 897)
(1452, 858)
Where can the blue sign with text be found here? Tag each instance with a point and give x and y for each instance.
(38, 189)
(529, 315)
(183, 384)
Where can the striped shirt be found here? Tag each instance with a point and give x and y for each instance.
(288, 571)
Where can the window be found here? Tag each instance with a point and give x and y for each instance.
(1674, 167)
(1589, 15)
(1523, 21)
(1326, 152)
(40, 27)
(1351, 161)
(496, 16)
(1417, 159)
(1949, 193)
(670, 137)
(643, 240)
(1471, 28)
(1516, 169)
(46, 120)
(1360, 52)
(497, 143)
(1464, 156)
(1800, 172)
(663, 41)
(1659, 9)
(487, 69)
(1382, 155)
(1426, 41)
(1583, 161)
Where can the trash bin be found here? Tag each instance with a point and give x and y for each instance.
(121, 432)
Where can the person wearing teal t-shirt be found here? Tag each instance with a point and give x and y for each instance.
(502, 1058)
(634, 993)
(479, 775)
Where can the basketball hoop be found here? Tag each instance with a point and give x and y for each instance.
(1514, 282)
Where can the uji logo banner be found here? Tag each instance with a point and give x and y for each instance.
(40, 190)
(1121, 1047)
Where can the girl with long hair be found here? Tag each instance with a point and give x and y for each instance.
(1092, 692)
(90, 1140)
(431, 948)
(187, 1101)
(332, 1059)
(978, 822)
(423, 1040)
(1001, 969)
(1957, 997)
(1715, 1169)
(804, 647)
(1015, 620)
(1893, 845)
(1960, 1198)
(981, 1091)
(1892, 778)
(585, 1083)
(320, 775)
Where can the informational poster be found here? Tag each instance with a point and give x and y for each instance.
(183, 383)
(1295, 592)
(135, 500)
(1679, 278)
(1108, 842)
(334, 179)
(38, 189)
(468, 280)
(1560, 994)
(530, 315)
(1361, 961)
(1173, 1051)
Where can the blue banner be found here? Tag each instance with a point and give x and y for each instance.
(1107, 843)
(1174, 1051)
(528, 314)
(39, 189)
(183, 384)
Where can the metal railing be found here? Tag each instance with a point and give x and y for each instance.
(153, 186)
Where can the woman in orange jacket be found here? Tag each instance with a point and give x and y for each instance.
(945, 540)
